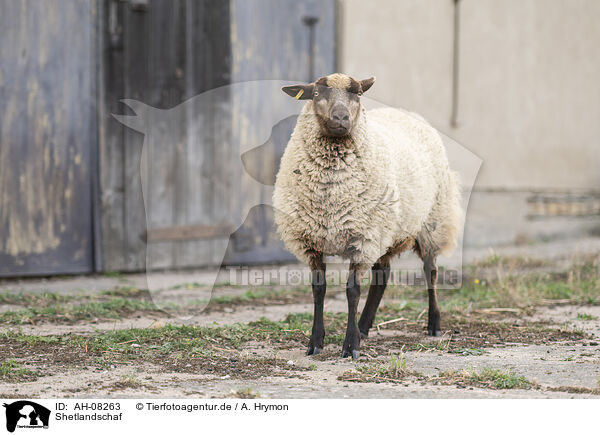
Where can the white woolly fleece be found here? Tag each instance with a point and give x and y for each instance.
(358, 196)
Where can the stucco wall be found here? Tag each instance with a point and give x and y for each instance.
(529, 94)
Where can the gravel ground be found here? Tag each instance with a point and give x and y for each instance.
(556, 369)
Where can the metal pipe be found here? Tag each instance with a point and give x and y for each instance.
(455, 65)
(310, 22)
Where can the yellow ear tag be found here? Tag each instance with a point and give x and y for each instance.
(299, 94)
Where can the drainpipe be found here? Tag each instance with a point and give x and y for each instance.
(310, 22)
(455, 65)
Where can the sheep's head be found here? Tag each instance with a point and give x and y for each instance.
(336, 101)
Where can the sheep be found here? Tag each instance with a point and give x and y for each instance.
(366, 186)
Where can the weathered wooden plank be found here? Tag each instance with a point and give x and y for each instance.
(172, 50)
(261, 51)
(188, 232)
(136, 84)
(46, 111)
(95, 122)
(111, 134)
(204, 185)
(164, 146)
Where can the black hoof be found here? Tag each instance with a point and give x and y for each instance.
(355, 354)
(351, 345)
(314, 350)
(434, 324)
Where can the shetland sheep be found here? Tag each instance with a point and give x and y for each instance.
(365, 186)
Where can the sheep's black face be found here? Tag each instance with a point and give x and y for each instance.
(336, 101)
(336, 109)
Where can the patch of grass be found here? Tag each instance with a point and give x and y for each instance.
(494, 259)
(491, 260)
(265, 295)
(126, 292)
(184, 342)
(579, 285)
(30, 340)
(188, 286)
(297, 326)
(195, 285)
(201, 340)
(33, 299)
(575, 390)
(487, 378)
(250, 295)
(67, 313)
(571, 329)
(11, 371)
(393, 370)
(174, 348)
(441, 345)
(245, 393)
(585, 316)
(168, 339)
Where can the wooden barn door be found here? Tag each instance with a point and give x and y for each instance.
(162, 54)
(287, 40)
(47, 136)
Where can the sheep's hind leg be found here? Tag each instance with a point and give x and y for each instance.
(319, 286)
(431, 271)
(352, 341)
(380, 275)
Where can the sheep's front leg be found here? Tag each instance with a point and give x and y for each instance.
(352, 340)
(380, 276)
(431, 270)
(319, 286)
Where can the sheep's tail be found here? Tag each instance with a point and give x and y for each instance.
(453, 214)
(442, 228)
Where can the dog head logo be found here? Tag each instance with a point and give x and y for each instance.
(203, 161)
(26, 414)
(207, 162)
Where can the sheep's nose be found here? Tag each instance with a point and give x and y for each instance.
(338, 123)
(339, 114)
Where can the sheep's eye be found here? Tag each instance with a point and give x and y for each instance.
(315, 94)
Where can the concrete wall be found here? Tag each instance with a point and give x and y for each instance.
(528, 97)
(529, 94)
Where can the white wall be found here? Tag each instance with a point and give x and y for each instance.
(529, 99)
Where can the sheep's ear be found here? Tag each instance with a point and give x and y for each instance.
(300, 92)
(366, 84)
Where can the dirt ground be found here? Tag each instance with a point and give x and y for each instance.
(253, 346)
